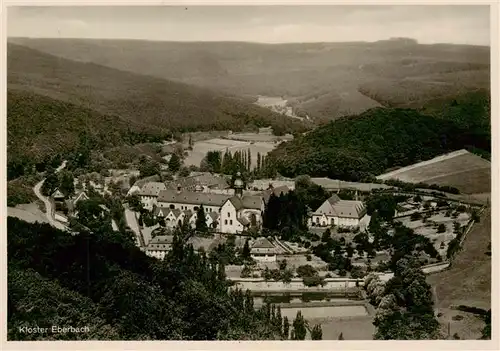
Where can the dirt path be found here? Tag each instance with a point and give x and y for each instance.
(134, 226)
(48, 204)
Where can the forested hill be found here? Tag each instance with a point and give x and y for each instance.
(135, 98)
(39, 127)
(360, 147)
(119, 292)
(322, 80)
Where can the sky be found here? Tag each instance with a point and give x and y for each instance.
(458, 24)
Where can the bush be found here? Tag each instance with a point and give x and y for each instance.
(441, 228)
(313, 281)
(308, 257)
(245, 272)
(415, 216)
(457, 317)
(306, 271)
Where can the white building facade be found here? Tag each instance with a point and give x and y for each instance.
(342, 213)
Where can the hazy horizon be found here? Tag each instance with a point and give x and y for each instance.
(284, 24)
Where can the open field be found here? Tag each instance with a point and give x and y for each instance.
(201, 148)
(27, 212)
(461, 169)
(467, 181)
(467, 282)
(259, 137)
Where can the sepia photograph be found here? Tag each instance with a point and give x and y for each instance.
(248, 173)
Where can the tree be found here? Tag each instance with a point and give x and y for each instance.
(161, 222)
(258, 166)
(286, 328)
(213, 161)
(411, 316)
(148, 167)
(282, 265)
(135, 203)
(327, 236)
(245, 253)
(317, 332)
(201, 221)
(441, 228)
(249, 161)
(299, 327)
(306, 271)
(50, 184)
(184, 172)
(341, 336)
(132, 180)
(66, 183)
(174, 164)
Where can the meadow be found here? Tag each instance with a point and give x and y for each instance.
(461, 169)
(201, 148)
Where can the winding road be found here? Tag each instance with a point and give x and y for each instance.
(48, 204)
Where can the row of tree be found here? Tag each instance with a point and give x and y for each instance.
(239, 161)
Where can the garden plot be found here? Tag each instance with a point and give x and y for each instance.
(429, 228)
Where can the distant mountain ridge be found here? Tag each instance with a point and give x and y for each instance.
(143, 100)
(52, 100)
(349, 77)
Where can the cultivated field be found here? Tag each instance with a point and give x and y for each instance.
(461, 169)
(467, 282)
(201, 148)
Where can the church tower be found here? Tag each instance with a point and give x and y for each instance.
(238, 185)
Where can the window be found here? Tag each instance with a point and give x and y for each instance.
(172, 207)
(231, 222)
(196, 208)
(225, 222)
(229, 214)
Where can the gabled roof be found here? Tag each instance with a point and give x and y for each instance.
(213, 215)
(243, 221)
(82, 196)
(175, 211)
(164, 210)
(57, 194)
(247, 202)
(152, 189)
(192, 198)
(333, 199)
(342, 208)
(160, 243)
(262, 243)
(263, 246)
(252, 202)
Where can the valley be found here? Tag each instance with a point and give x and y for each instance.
(207, 179)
